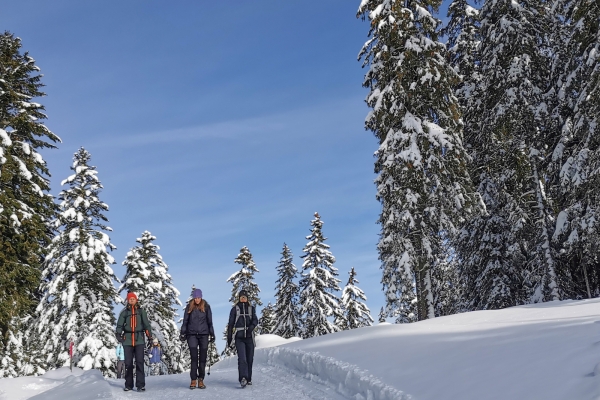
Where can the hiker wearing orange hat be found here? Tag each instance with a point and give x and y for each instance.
(132, 326)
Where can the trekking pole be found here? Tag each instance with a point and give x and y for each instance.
(71, 354)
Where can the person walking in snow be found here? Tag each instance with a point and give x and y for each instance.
(155, 357)
(197, 329)
(243, 320)
(120, 360)
(132, 325)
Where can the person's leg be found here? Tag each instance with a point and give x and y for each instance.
(203, 344)
(140, 378)
(193, 345)
(242, 364)
(120, 365)
(249, 356)
(128, 366)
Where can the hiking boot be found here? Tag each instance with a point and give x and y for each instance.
(249, 383)
(193, 384)
(126, 389)
(201, 384)
(243, 382)
(141, 389)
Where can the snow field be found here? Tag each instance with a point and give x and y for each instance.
(548, 351)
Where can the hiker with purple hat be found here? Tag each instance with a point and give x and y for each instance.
(197, 329)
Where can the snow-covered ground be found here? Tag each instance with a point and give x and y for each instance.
(546, 351)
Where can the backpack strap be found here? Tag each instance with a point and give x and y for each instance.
(238, 312)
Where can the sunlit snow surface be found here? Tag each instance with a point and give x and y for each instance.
(547, 351)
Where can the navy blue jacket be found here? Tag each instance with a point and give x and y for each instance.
(245, 325)
(197, 322)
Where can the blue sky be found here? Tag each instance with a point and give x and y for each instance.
(214, 125)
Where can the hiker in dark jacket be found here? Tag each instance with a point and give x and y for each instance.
(197, 329)
(243, 319)
(132, 326)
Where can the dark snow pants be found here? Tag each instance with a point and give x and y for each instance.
(136, 352)
(198, 352)
(245, 351)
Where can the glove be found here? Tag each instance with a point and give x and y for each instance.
(120, 337)
(211, 339)
(182, 337)
(228, 340)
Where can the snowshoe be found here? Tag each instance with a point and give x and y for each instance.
(243, 382)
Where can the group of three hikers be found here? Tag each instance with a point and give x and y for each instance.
(197, 329)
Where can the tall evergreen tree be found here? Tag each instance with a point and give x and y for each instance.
(318, 285)
(77, 287)
(266, 322)
(356, 312)
(147, 276)
(26, 208)
(463, 38)
(506, 255)
(423, 183)
(287, 321)
(577, 155)
(244, 279)
(20, 356)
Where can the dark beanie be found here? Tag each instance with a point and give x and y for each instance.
(243, 293)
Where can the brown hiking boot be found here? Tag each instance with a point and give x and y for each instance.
(193, 384)
(201, 384)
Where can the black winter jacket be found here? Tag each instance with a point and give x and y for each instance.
(245, 324)
(197, 322)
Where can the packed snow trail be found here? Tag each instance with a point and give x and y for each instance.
(269, 382)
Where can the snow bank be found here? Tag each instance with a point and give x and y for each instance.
(268, 340)
(28, 386)
(346, 379)
(89, 384)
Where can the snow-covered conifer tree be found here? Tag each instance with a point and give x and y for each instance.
(423, 182)
(147, 276)
(213, 354)
(577, 155)
(318, 285)
(356, 312)
(244, 279)
(287, 321)
(505, 255)
(266, 322)
(77, 287)
(26, 208)
(20, 355)
(463, 37)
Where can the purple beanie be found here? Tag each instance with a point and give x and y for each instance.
(197, 294)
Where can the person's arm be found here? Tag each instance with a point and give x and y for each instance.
(230, 325)
(119, 328)
(211, 329)
(146, 323)
(186, 317)
(254, 320)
